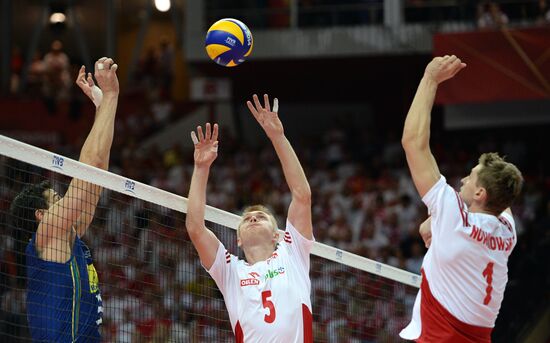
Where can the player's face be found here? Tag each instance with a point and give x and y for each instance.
(255, 227)
(51, 197)
(469, 187)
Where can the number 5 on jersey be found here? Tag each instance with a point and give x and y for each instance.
(267, 303)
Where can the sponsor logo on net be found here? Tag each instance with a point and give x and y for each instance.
(129, 186)
(57, 162)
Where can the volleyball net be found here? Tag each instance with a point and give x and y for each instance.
(152, 285)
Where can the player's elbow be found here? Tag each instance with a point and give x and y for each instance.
(192, 225)
(94, 160)
(412, 143)
(407, 140)
(302, 195)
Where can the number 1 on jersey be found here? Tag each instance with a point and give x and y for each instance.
(488, 274)
(269, 318)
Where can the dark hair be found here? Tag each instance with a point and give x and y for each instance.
(25, 204)
(502, 180)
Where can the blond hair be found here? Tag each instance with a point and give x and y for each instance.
(260, 208)
(502, 180)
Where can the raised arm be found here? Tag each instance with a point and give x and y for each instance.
(81, 198)
(88, 87)
(416, 132)
(206, 151)
(299, 211)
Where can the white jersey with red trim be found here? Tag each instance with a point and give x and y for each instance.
(466, 264)
(270, 300)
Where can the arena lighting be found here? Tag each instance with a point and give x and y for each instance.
(57, 17)
(162, 5)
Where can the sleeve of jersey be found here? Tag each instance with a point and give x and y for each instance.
(221, 268)
(446, 208)
(298, 245)
(508, 220)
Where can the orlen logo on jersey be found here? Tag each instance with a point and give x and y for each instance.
(273, 273)
(253, 281)
(249, 282)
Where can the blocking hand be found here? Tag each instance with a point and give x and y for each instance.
(87, 84)
(269, 120)
(105, 74)
(444, 68)
(206, 145)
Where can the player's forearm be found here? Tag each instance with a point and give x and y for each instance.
(88, 211)
(292, 169)
(97, 147)
(197, 200)
(416, 132)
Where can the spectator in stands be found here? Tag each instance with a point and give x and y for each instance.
(490, 16)
(57, 72)
(16, 65)
(279, 16)
(35, 76)
(146, 75)
(542, 13)
(166, 69)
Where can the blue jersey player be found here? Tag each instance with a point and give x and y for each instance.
(63, 298)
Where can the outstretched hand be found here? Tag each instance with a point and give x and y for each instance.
(269, 120)
(206, 145)
(444, 68)
(87, 84)
(105, 74)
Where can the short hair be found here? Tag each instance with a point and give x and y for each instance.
(261, 208)
(502, 180)
(25, 204)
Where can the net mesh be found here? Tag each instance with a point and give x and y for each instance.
(153, 287)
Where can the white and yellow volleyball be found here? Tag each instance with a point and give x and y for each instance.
(229, 42)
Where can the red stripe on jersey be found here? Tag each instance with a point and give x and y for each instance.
(506, 222)
(439, 325)
(239, 336)
(463, 213)
(308, 324)
(287, 237)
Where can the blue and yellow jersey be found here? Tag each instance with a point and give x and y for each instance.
(63, 299)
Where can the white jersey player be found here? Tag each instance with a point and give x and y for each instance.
(268, 301)
(464, 272)
(268, 296)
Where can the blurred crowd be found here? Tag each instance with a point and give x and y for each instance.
(321, 13)
(155, 290)
(51, 76)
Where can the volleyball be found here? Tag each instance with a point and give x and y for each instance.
(228, 42)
